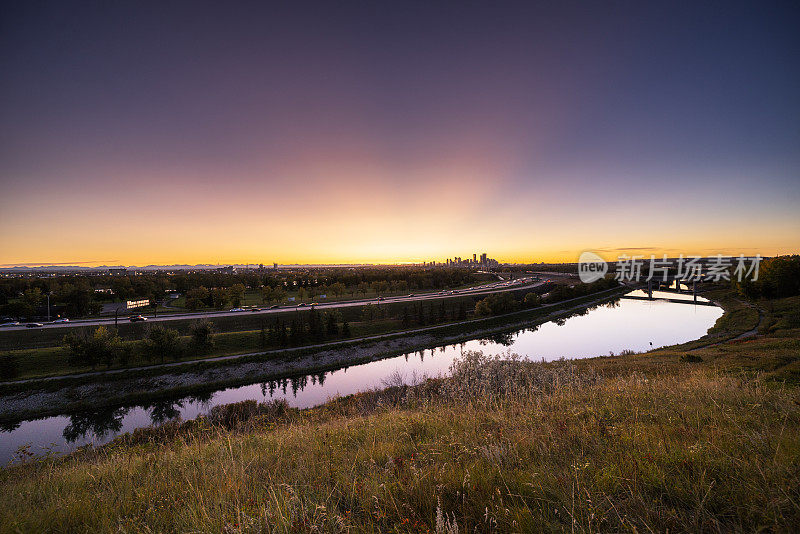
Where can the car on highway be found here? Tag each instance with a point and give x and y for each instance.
(137, 318)
(10, 323)
(255, 309)
(34, 325)
(236, 309)
(410, 295)
(62, 320)
(274, 306)
(301, 305)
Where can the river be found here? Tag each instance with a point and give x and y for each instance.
(623, 325)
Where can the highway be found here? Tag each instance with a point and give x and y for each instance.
(484, 289)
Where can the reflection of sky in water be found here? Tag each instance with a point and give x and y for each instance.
(630, 324)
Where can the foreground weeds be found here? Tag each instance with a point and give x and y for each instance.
(504, 445)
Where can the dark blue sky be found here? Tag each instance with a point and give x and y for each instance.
(578, 102)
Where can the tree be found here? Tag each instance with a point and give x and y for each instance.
(332, 327)
(345, 329)
(236, 293)
(33, 297)
(368, 313)
(496, 304)
(79, 301)
(363, 288)
(123, 289)
(202, 333)
(315, 325)
(106, 345)
(778, 278)
(296, 332)
(9, 367)
(267, 294)
(532, 300)
(162, 343)
(338, 289)
(101, 346)
(195, 298)
(18, 309)
(284, 334)
(219, 297)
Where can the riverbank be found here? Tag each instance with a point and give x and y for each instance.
(520, 446)
(108, 389)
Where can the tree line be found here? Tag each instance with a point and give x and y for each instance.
(103, 346)
(77, 295)
(778, 277)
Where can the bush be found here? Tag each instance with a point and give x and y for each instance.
(232, 415)
(9, 367)
(101, 346)
(496, 304)
(478, 377)
(532, 300)
(163, 343)
(202, 333)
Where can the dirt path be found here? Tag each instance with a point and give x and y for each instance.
(748, 333)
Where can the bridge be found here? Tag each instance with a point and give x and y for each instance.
(672, 285)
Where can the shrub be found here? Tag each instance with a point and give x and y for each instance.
(202, 333)
(496, 304)
(9, 367)
(162, 343)
(101, 346)
(476, 376)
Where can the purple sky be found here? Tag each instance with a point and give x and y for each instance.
(193, 132)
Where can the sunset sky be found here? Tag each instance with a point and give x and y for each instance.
(344, 132)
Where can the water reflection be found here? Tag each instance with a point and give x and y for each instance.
(504, 338)
(9, 426)
(99, 423)
(165, 410)
(618, 326)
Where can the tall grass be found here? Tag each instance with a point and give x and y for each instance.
(503, 445)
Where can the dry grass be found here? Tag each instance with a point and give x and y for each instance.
(502, 446)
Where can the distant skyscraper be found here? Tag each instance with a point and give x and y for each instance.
(474, 258)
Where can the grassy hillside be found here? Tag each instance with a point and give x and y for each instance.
(707, 440)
